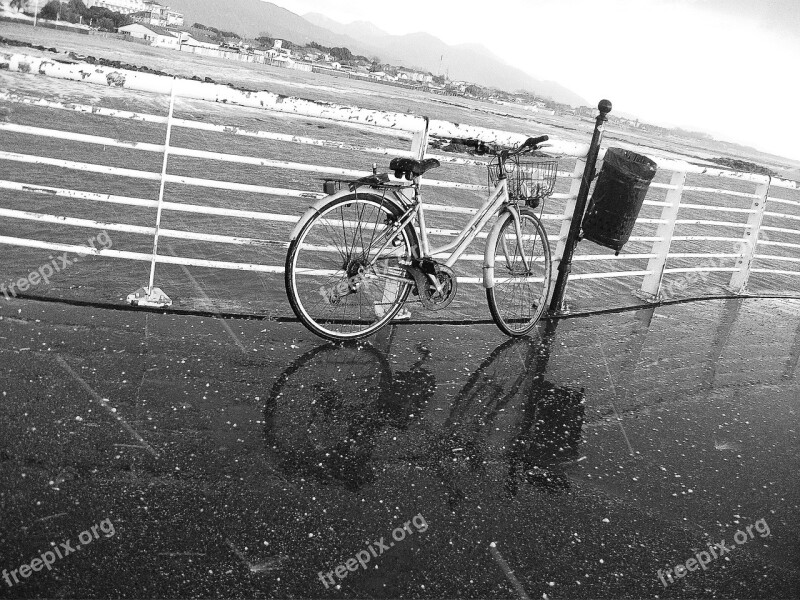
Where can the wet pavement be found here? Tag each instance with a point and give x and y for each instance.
(246, 458)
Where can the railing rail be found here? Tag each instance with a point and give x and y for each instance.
(667, 228)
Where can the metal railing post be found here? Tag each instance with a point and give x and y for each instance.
(566, 220)
(153, 296)
(651, 286)
(565, 264)
(747, 251)
(419, 143)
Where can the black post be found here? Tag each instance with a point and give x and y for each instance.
(565, 266)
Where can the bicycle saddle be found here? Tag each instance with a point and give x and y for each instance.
(410, 168)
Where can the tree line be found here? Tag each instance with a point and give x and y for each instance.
(75, 11)
(217, 33)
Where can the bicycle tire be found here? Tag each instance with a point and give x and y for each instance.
(338, 292)
(518, 297)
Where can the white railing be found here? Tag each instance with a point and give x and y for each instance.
(655, 236)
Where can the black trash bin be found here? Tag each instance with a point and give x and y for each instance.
(617, 198)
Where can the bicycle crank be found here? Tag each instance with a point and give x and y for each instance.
(431, 297)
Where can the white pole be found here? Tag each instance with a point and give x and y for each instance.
(651, 286)
(747, 252)
(161, 189)
(36, 13)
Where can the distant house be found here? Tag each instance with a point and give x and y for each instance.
(126, 7)
(148, 12)
(406, 75)
(200, 37)
(174, 18)
(157, 36)
(191, 39)
(282, 61)
(146, 18)
(279, 53)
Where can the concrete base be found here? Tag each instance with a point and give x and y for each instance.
(154, 298)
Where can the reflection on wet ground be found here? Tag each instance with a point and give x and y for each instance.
(248, 458)
(328, 409)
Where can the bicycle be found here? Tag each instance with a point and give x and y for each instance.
(355, 256)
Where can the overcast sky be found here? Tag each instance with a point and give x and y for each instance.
(729, 67)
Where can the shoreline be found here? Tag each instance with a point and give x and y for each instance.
(249, 76)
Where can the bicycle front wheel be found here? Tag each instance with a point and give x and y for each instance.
(343, 275)
(518, 294)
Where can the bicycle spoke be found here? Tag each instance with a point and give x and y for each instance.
(332, 231)
(374, 229)
(361, 234)
(344, 232)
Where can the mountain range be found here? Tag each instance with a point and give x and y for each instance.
(467, 62)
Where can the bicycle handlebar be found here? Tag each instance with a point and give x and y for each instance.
(533, 142)
(482, 147)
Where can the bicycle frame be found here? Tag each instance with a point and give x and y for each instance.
(497, 199)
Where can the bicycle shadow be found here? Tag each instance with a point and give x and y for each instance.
(509, 414)
(326, 410)
(331, 409)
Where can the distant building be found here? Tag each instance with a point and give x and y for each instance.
(407, 75)
(126, 7)
(157, 36)
(142, 11)
(196, 40)
(278, 52)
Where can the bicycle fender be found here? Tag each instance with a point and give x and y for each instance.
(315, 208)
(312, 210)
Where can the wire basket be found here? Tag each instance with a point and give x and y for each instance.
(530, 179)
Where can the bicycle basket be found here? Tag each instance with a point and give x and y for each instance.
(530, 179)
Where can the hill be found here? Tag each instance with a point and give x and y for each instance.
(468, 62)
(357, 29)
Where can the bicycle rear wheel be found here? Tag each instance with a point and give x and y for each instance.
(518, 296)
(339, 281)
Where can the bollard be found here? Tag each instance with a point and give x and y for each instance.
(565, 266)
